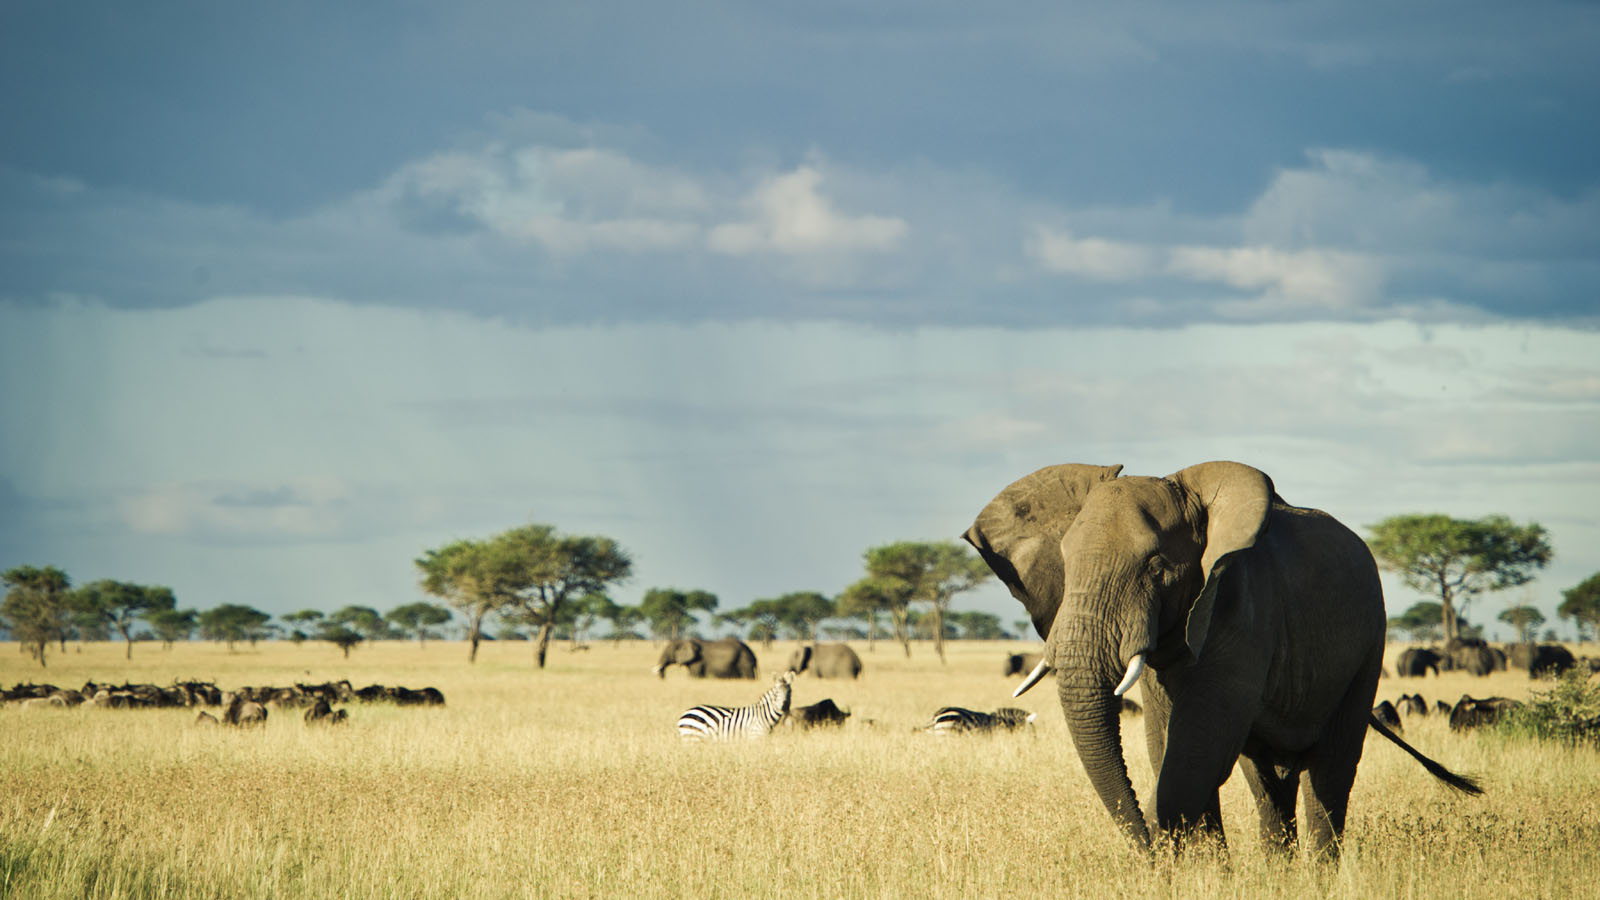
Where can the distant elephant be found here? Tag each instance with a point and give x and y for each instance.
(1020, 663)
(1543, 660)
(727, 658)
(1474, 660)
(1263, 622)
(1416, 661)
(826, 660)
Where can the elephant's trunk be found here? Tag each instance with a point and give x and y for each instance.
(1084, 681)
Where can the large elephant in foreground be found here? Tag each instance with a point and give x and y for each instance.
(826, 660)
(727, 658)
(1263, 625)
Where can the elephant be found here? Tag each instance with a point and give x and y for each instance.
(1542, 659)
(1263, 625)
(1416, 661)
(727, 658)
(1020, 663)
(826, 660)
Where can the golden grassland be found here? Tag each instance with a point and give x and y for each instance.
(570, 782)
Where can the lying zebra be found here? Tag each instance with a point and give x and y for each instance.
(722, 723)
(955, 720)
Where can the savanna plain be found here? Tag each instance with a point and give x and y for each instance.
(571, 782)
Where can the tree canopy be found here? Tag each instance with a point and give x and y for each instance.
(1582, 605)
(1420, 623)
(231, 623)
(670, 611)
(1525, 619)
(530, 574)
(37, 607)
(416, 618)
(909, 572)
(1458, 559)
(118, 604)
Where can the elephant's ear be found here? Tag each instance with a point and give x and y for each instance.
(685, 652)
(1237, 500)
(1019, 533)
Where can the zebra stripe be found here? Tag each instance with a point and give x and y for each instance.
(956, 720)
(722, 723)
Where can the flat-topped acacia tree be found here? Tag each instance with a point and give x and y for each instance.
(1457, 559)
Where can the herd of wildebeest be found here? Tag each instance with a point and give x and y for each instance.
(245, 706)
(248, 706)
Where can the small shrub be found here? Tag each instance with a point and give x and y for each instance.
(1568, 712)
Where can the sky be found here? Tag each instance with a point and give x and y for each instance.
(291, 293)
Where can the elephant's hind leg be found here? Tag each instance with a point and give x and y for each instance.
(1331, 769)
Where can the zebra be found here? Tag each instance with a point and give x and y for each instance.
(722, 723)
(955, 720)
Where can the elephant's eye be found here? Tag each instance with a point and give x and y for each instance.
(1162, 569)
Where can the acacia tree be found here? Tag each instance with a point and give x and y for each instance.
(172, 625)
(886, 593)
(364, 619)
(417, 618)
(231, 623)
(934, 571)
(803, 612)
(1581, 604)
(670, 612)
(1420, 622)
(37, 607)
(860, 601)
(1458, 559)
(119, 605)
(1525, 619)
(304, 623)
(340, 635)
(464, 574)
(544, 573)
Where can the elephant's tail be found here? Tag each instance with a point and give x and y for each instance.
(1459, 782)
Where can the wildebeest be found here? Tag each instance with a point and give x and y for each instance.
(1386, 713)
(821, 714)
(1470, 713)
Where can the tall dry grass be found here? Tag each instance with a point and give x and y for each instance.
(570, 782)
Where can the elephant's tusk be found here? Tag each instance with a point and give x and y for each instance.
(656, 671)
(1039, 671)
(1135, 669)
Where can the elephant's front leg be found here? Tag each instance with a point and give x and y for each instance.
(1204, 739)
(1273, 787)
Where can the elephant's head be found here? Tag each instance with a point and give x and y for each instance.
(800, 659)
(1118, 572)
(677, 653)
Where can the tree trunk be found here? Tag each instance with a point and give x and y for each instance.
(474, 636)
(129, 638)
(938, 631)
(544, 641)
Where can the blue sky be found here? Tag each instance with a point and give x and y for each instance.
(290, 293)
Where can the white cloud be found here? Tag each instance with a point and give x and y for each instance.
(1319, 279)
(792, 216)
(1096, 258)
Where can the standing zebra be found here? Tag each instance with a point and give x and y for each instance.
(722, 723)
(955, 720)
